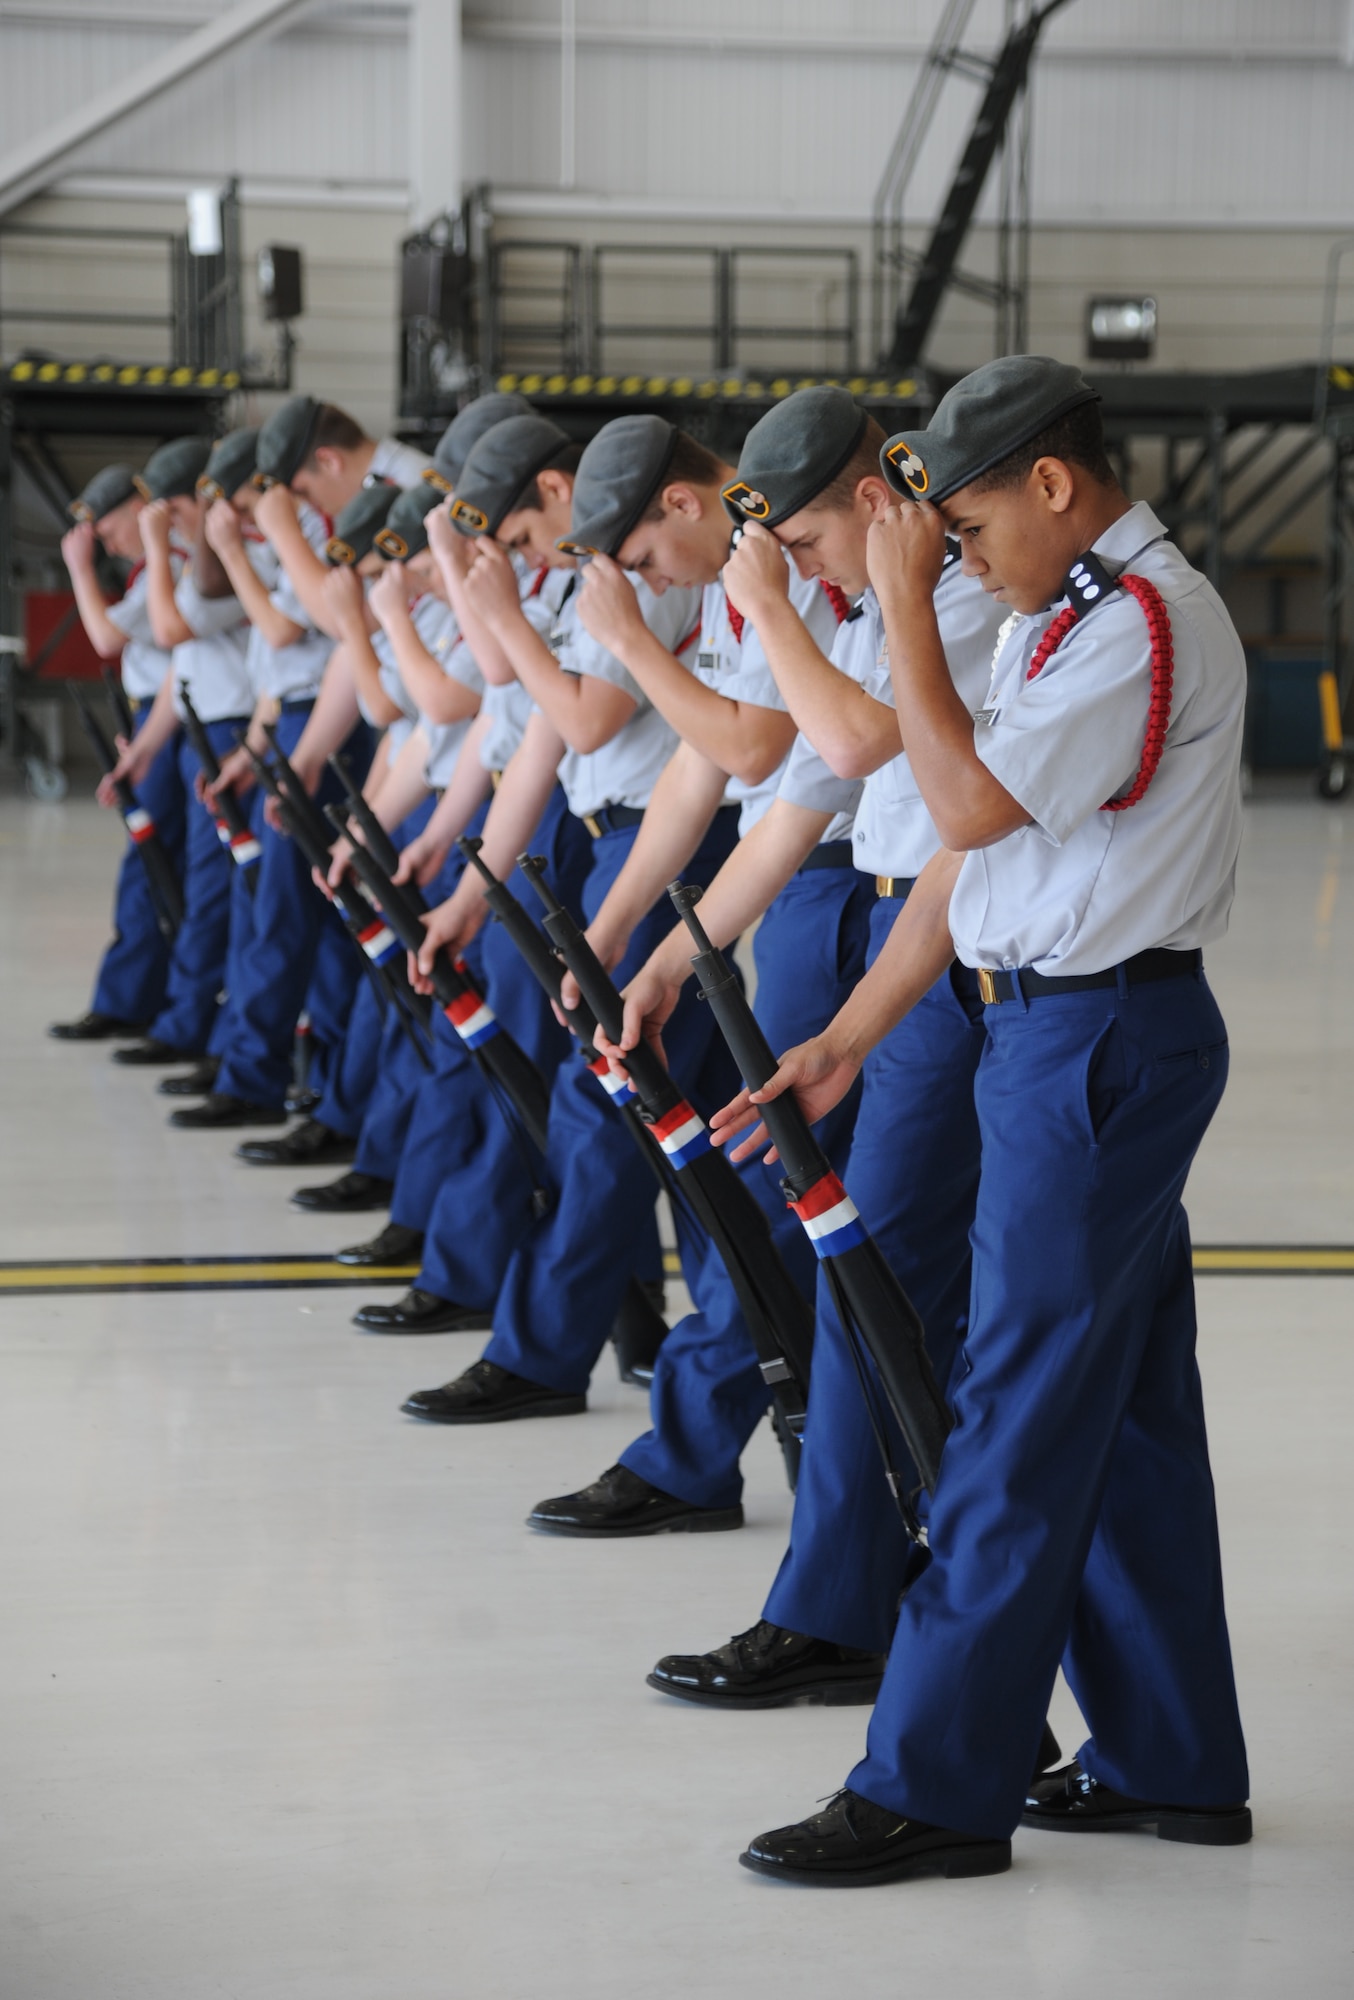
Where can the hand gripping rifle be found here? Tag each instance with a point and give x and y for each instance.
(640, 1328)
(364, 923)
(517, 1086)
(166, 894)
(374, 836)
(869, 1297)
(233, 830)
(779, 1317)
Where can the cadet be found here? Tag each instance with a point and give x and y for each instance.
(201, 624)
(284, 923)
(325, 458)
(456, 1128)
(573, 1268)
(422, 653)
(913, 1162)
(648, 500)
(349, 1078)
(1091, 817)
(130, 988)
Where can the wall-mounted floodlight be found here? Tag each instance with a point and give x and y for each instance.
(205, 235)
(1121, 329)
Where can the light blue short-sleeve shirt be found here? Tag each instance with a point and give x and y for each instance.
(1080, 889)
(624, 771)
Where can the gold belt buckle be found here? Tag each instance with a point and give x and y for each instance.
(987, 987)
(495, 779)
(593, 824)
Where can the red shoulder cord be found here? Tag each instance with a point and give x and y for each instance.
(1163, 677)
(836, 597)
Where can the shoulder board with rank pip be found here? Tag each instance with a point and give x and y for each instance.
(1088, 583)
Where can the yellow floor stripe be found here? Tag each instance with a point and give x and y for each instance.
(1244, 1261)
(207, 1274)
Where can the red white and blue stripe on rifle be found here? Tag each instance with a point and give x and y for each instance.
(681, 1134)
(830, 1217)
(379, 942)
(139, 824)
(618, 1088)
(473, 1018)
(244, 849)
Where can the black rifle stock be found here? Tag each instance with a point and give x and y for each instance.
(639, 1328)
(373, 833)
(529, 938)
(493, 1049)
(779, 1317)
(166, 892)
(364, 923)
(233, 830)
(874, 1300)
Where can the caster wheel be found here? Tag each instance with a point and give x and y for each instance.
(1334, 780)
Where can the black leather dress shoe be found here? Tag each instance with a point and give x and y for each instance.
(151, 1054)
(199, 1082)
(94, 1027)
(488, 1394)
(422, 1312)
(853, 1842)
(218, 1112)
(768, 1667)
(394, 1245)
(1071, 1801)
(348, 1195)
(308, 1145)
(621, 1503)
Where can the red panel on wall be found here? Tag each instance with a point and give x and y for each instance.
(56, 645)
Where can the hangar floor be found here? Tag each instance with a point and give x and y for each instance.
(292, 1704)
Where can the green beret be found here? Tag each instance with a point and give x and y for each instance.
(618, 475)
(230, 466)
(499, 470)
(792, 453)
(286, 439)
(112, 487)
(464, 432)
(405, 533)
(356, 527)
(981, 421)
(173, 470)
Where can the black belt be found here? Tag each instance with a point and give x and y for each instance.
(611, 819)
(899, 886)
(294, 706)
(829, 854)
(1139, 970)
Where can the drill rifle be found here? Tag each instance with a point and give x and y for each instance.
(166, 892)
(871, 1300)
